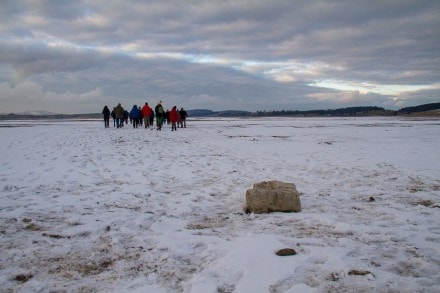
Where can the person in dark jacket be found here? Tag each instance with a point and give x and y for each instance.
(140, 120)
(106, 113)
(113, 117)
(183, 115)
(126, 116)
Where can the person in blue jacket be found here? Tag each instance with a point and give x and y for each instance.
(135, 114)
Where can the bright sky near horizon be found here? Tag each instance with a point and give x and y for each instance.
(77, 56)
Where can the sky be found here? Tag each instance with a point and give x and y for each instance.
(260, 55)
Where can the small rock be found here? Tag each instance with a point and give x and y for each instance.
(23, 278)
(371, 199)
(358, 273)
(285, 252)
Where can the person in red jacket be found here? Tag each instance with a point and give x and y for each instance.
(146, 112)
(174, 116)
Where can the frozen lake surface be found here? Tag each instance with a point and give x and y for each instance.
(88, 209)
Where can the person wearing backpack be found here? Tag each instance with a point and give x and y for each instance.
(160, 115)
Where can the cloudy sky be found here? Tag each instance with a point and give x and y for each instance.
(77, 56)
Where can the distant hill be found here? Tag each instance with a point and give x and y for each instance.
(37, 113)
(210, 113)
(48, 115)
(432, 109)
(421, 108)
(350, 111)
(200, 113)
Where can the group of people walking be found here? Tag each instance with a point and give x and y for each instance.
(145, 115)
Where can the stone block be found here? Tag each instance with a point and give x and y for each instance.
(273, 196)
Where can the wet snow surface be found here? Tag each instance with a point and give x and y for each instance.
(88, 209)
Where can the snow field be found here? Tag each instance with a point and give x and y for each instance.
(88, 209)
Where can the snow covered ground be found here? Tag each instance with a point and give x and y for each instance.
(88, 209)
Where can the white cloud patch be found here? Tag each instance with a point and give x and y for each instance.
(344, 97)
(366, 87)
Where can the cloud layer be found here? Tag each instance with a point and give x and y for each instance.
(77, 56)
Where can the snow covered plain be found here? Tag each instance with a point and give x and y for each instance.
(88, 209)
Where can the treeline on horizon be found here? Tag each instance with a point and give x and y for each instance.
(350, 111)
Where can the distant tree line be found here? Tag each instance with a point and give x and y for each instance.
(351, 111)
(421, 108)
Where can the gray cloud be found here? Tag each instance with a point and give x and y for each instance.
(73, 56)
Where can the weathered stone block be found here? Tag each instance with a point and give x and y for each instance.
(272, 196)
